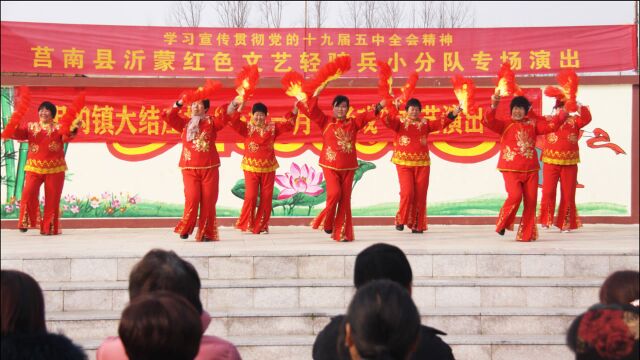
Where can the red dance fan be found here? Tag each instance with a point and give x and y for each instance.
(22, 105)
(465, 89)
(326, 74)
(246, 83)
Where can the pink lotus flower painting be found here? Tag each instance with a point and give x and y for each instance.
(303, 179)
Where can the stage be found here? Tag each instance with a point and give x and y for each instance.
(271, 294)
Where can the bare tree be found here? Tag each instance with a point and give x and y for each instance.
(459, 14)
(427, 12)
(233, 14)
(369, 12)
(392, 14)
(354, 14)
(272, 13)
(186, 13)
(319, 12)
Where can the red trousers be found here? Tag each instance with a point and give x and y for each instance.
(200, 190)
(30, 206)
(339, 186)
(250, 219)
(414, 183)
(519, 186)
(567, 212)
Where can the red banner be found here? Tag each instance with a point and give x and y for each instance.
(221, 52)
(131, 116)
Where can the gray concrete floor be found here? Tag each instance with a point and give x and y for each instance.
(298, 240)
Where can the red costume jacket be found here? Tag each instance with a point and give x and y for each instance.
(410, 146)
(339, 137)
(259, 155)
(201, 152)
(561, 147)
(518, 139)
(46, 147)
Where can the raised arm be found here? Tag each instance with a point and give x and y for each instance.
(362, 119)
(490, 120)
(548, 124)
(174, 119)
(444, 121)
(290, 121)
(315, 114)
(584, 118)
(233, 119)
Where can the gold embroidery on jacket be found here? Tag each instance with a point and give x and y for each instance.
(404, 140)
(34, 148)
(201, 142)
(54, 146)
(186, 154)
(573, 138)
(508, 154)
(344, 140)
(253, 147)
(331, 155)
(526, 144)
(552, 138)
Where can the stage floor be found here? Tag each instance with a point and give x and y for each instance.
(299, 240)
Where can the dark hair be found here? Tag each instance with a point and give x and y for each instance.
(205, 103)
(49, 106)
(605, 332)
(384, 321)
(22, 304)
(382, 261)
(165, 270)
(413, 102)
(259, 107)
(621, 287)
(160, 325)
(521, 101)
(339, 100)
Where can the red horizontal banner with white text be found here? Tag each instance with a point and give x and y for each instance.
(130, 119)
(221, 52)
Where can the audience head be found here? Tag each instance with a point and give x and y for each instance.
(22, 304)
(621, 287)
(605, 332)
(382, 261)
(160, 325)
(382, 322)
(165, 270)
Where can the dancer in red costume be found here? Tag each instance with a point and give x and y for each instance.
(518, 163)
(411, 156)
(259, 165)
(339, 162)
(199, 162)
(560, 155)
(45, 165)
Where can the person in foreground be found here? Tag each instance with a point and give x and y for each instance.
(382, 322)
(605, 332)
(160, 326)
(24, 332)
(165, 270)
(380, 261)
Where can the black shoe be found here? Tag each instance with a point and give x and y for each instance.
(501, 232)
(328, 231)
(184, 236)
(400, 227)
(417, 231)
(206, 239)
(23, 230)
